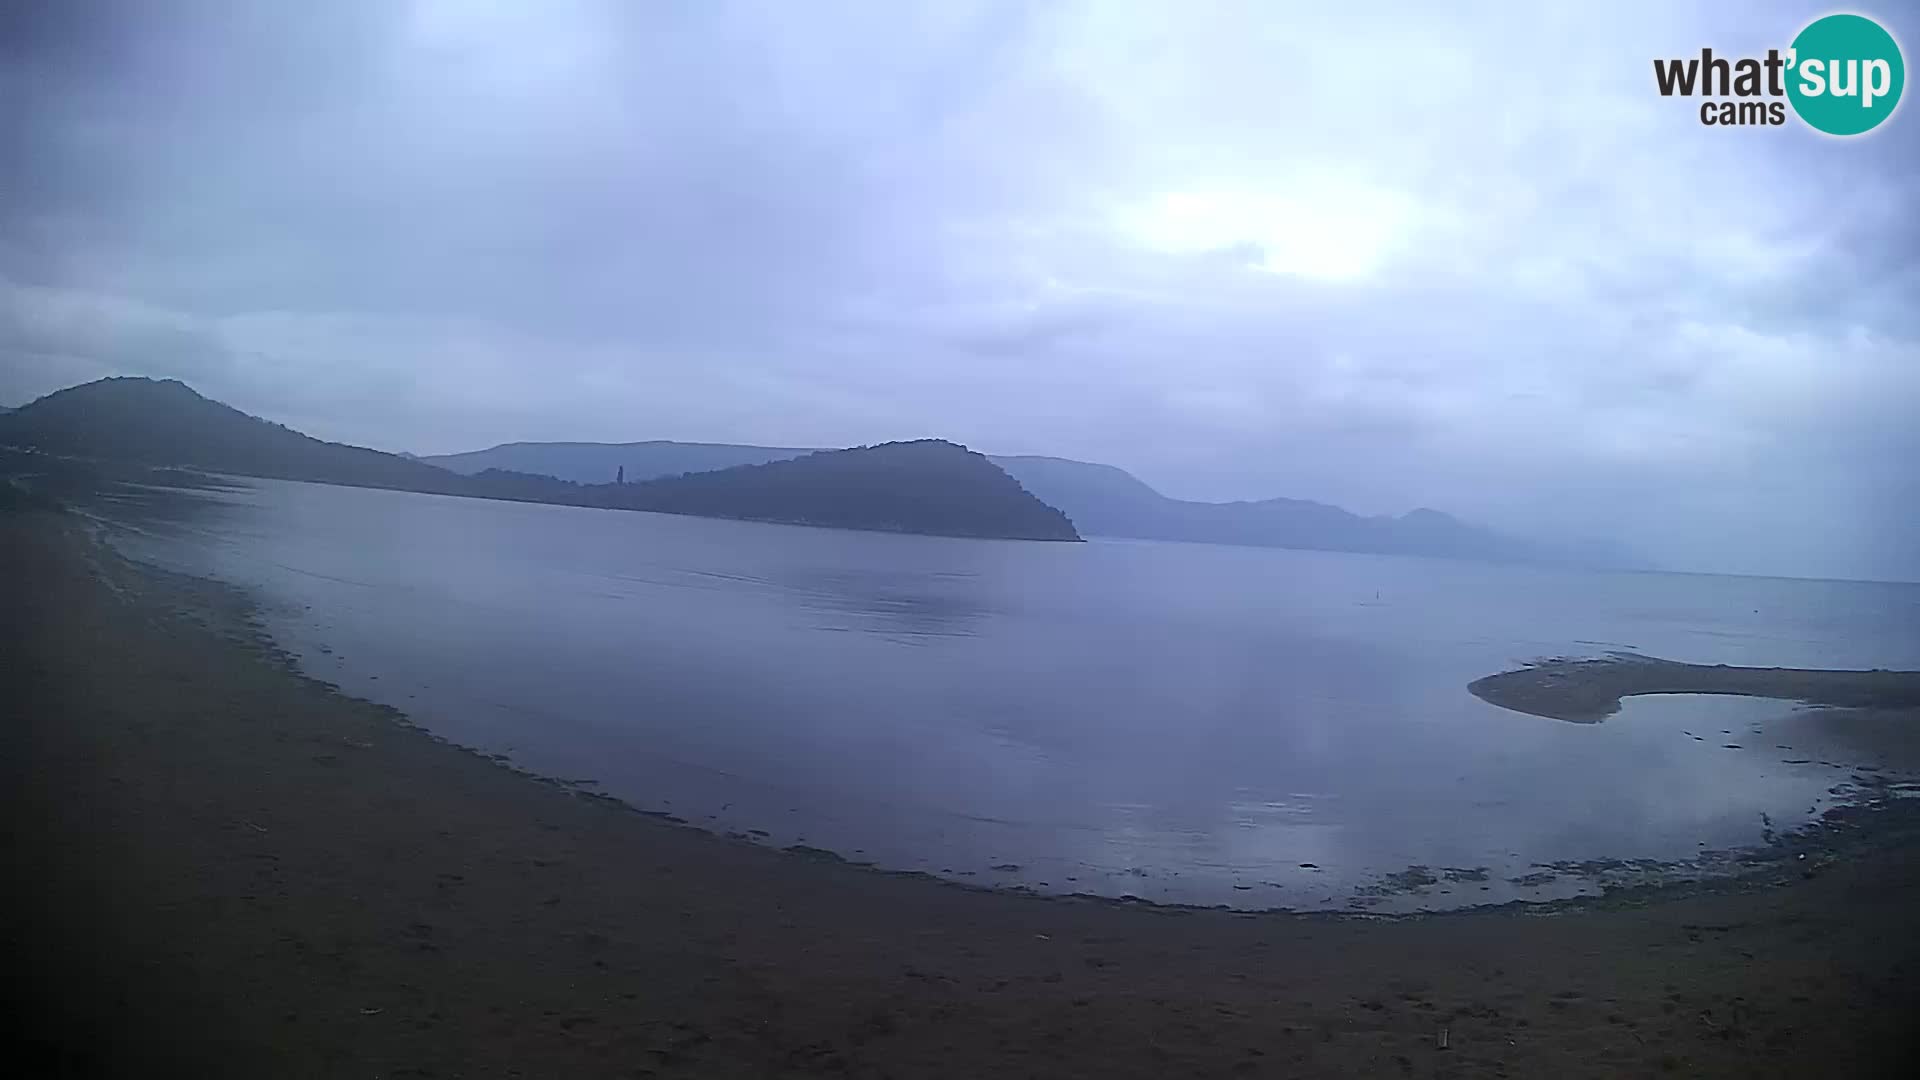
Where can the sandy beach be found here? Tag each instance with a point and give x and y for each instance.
(1587, 691)
(220, 867)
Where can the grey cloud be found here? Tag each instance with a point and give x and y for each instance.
(53, 324)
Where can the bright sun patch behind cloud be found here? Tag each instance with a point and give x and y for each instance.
(1328, 234)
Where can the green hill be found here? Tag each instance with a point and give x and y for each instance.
(928, 486)
(164, 422)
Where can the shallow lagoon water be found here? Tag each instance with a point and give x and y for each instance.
(1176, 722)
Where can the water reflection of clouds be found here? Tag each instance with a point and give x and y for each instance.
(153, 507)
(1644, 789)
(906, 605)
(1178, 722)
(189, 521)
(909, 605)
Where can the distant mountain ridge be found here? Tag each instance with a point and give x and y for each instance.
(1107, 501)
(599, 463)
(1102, 500)
(928, 486)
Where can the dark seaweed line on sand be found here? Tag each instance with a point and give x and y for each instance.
(1587, 691)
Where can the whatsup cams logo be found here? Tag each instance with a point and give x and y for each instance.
(1842, 75)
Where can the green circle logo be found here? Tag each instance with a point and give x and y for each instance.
(1846, 74)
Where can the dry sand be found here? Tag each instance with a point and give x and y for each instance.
(220, 868)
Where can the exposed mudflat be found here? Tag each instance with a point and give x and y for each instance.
(1587, 691)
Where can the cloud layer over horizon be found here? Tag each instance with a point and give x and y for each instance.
(1385, 257)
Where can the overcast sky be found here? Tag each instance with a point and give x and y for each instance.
(1385, 256)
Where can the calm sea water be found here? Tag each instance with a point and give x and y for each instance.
(1176, 722)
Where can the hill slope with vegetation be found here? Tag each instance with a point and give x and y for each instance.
(1102, 500)
(929, 486)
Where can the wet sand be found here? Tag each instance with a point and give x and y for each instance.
(221, 868)
(1589, 690)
